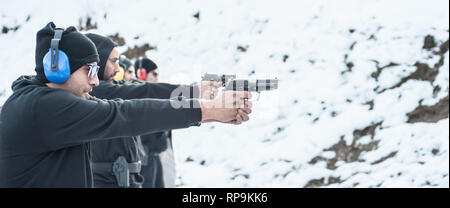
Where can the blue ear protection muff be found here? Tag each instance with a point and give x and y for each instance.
(56, 62)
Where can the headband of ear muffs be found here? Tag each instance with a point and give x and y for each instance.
(56, 62)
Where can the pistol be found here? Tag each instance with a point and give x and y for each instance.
(222, 78)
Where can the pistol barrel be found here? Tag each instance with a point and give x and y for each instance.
(252, 86)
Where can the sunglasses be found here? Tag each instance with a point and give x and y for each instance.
(93, 70)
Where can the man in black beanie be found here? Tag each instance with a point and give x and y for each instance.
(128, 68)
(104, 48)
(109, 151)
(147, 70)
(78, 48)
(46, 128)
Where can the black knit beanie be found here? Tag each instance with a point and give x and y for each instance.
(145, 63)
(77, 46)
(104, 47)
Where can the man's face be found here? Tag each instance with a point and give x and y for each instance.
(129, 74)
(153, 76)
(112, 65)
(79, 83)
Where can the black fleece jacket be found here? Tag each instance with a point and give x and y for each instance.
(109, 150)
(45, 133)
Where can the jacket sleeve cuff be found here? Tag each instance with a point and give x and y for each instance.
(192, 110)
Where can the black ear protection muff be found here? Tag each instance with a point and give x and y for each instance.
(56, 62)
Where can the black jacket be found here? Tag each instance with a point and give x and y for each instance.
(45, 133)
(109, 150)
(156, 142)
(159, 142)
(111, 90)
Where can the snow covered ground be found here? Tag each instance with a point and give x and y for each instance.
(363, 93)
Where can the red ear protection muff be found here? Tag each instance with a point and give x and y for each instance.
(141, 74)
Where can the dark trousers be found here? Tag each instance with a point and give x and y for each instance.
(153, 173)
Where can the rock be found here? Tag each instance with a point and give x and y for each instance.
(430, 114)
(429, 42)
